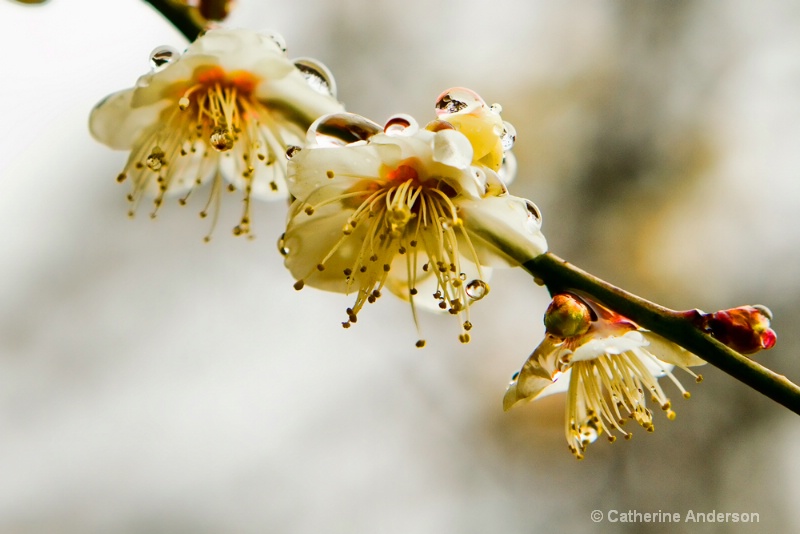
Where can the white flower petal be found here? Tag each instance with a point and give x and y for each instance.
(596, 347)
(113, 122)
(503, 230)
(452, 148)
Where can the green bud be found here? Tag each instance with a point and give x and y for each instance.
(567, 316)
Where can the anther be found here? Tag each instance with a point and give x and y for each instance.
(299, 285)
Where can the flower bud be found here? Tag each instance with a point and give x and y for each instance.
(567, 316)
(744, 329)
(215, 9)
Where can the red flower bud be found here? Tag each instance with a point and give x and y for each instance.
(744, 329)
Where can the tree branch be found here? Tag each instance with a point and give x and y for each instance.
(678, 327)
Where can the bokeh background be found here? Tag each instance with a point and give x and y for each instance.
(151, 383)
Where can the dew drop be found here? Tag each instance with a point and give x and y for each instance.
(496, 108)
(508, 169)
(508, 136)
(458, 99)
(317, 75)
(291, 151)
(340, 129)
(534, 215)
(161, 56)
(282, 248)
(439, 125)
(588, 432)
(275, 37)
(401, 124)
(221, 139)
(477, 289)
(156, 159)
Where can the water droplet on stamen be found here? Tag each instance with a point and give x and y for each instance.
(221, 139)
(162, 56)
(291, 151)
(282, 248)
(317, 75)
(477, 289)
(156, 159)
(183, 103)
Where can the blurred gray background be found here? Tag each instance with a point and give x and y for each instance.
(151, 383)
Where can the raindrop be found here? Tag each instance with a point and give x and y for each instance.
(282, 245)
(508, 136)
(161, 56)
(340, 129)
(317, 76)
(221, 139)
(497, 108)
(458, 100)
(275, 37)
(291, 151)
(477, 289)
(401, 124)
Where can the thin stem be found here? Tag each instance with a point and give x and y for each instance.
(180, 16)
(678, 327)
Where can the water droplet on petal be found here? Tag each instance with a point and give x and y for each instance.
(221, 139)
(508, 169)
(439, 125)
(508, 136)
(588, 432)
(340, 129)
(534, 216)
(401, 124)
(477, 289)
(291, 151)
(162, 56)
(496, 108)
(317, 76)
(458, 99)
(275, 37)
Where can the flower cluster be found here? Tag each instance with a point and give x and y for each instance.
(421, 212)
(607, 365)
(226, 110)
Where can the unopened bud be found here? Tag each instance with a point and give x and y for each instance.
(744, 329)
(567, 316)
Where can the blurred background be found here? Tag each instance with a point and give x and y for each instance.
(151, 383)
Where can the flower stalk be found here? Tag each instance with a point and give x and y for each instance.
(182, 16)
(681, 327)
